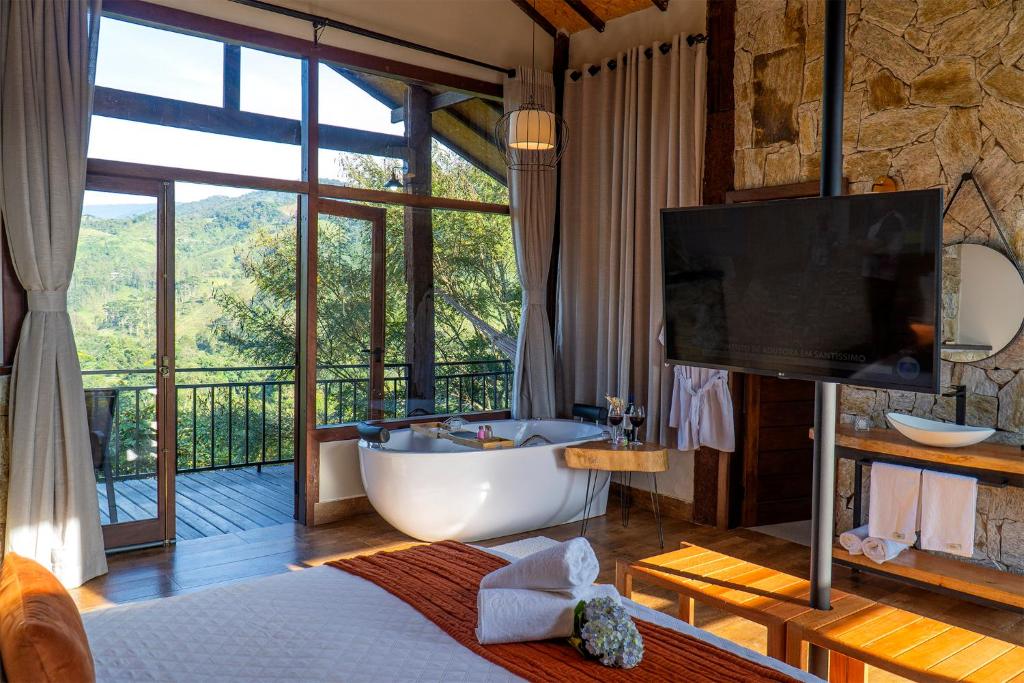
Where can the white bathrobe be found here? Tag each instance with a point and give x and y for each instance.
(702, 409)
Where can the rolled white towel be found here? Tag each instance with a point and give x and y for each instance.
(561, 567)
(853, 540)
(516, 615)
(880, 550)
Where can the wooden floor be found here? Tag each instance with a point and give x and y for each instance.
(210, 503)
(193, 565)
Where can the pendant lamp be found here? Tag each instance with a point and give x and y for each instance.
(531, 137)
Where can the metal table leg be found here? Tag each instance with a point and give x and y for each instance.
(627, 498)
(586, 504)
(657, 510)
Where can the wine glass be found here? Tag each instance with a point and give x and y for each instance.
(636, 419)
(615, 422)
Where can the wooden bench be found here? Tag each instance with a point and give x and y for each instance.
(757, 593)
(902, 643)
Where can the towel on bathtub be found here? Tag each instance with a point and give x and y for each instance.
(563, 567)
(518, 615)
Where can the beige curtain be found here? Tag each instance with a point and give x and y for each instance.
(637, 147)
(532, 198)
(46, 78)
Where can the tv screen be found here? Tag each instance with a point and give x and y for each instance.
(840, 289)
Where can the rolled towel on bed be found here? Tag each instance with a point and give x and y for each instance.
(853, 540)
(516, 615)
(880, 550)
(561, 567)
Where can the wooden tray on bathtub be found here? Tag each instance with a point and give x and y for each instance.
(437, 430)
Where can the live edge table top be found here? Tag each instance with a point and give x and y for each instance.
(602, 455)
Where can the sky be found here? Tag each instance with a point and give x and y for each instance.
(167, 64)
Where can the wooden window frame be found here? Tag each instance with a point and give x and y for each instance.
(308, 189)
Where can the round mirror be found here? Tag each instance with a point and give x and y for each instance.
(982, 302)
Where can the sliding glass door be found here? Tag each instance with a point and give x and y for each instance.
(121, 291)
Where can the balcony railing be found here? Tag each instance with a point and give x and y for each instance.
(243, 416)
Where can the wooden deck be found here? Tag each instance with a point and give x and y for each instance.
(211, 503)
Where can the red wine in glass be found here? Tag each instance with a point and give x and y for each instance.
(614, 420)
(637, 419)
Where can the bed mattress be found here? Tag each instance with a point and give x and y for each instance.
(318, 624)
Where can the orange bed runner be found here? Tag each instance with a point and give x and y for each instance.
(441, 579)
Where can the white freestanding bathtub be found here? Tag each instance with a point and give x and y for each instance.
(433, 489)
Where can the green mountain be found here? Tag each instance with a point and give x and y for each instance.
(234, 262)
(112, 297)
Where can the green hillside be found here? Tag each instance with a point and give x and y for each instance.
(234, 266)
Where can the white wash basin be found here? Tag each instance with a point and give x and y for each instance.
(934, 433)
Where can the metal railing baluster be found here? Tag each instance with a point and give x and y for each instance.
(459, 386)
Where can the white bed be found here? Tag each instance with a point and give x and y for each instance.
(319, 624)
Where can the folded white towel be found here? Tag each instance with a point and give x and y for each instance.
(853, 539)
(895, 507)
(880, 550)
(948, 507)
(562, 567)
(515, 615)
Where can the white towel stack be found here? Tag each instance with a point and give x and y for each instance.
(534, 598)
(948, 507)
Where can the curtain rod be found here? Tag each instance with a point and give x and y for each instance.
(664, 48)
(320, 23)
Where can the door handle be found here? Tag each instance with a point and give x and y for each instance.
(164, 369)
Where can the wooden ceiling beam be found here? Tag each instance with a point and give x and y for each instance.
(536, 16)
(661, 4)
(580, 8)
(441, 101)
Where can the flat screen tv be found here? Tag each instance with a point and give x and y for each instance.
(839, 289)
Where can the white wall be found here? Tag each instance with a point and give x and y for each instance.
(676, 483)
(639, 28)
(493, 31)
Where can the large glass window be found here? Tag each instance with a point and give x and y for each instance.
(477, 302)
(271, 84)
(176, 100)
(155, 61)
(161, 101)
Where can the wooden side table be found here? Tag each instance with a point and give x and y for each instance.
(602, 456)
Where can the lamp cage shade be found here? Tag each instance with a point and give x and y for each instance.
(531, 137)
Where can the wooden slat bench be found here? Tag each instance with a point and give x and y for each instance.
(902, 643)
(762, 595)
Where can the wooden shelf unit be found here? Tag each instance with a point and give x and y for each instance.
(992, 464)
(946, 573)
(987, 461)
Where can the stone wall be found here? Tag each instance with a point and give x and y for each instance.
(934, 88)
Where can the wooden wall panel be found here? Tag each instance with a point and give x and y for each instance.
(718, 175)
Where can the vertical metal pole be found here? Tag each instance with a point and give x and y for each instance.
(823, 492)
